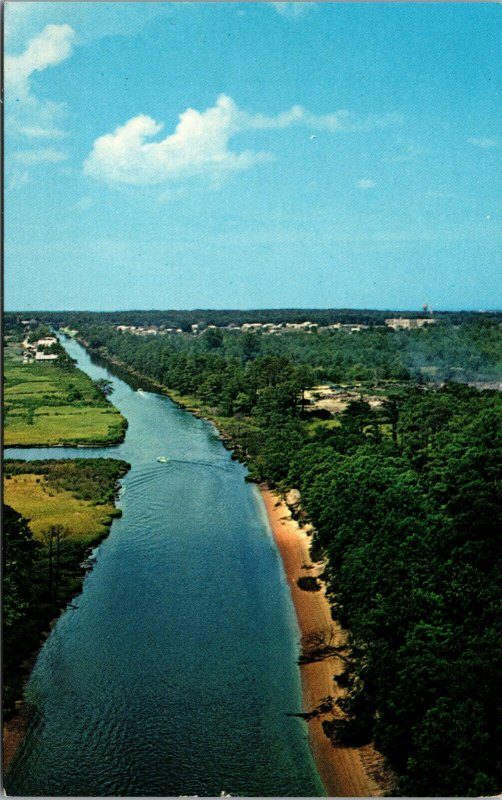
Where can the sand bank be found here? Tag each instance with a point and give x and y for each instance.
(345, 771)
(14, 731)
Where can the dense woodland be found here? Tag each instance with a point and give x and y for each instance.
(446, 351)
(407, 508)
(405, 499)
(41, 574)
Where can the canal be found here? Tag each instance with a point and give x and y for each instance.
(175, 671)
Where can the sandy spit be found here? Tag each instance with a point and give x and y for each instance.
(344, 771)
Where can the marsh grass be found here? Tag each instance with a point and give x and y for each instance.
(45, 405)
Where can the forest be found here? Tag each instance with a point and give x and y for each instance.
(405, 499)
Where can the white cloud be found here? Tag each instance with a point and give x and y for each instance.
(52, 46)
(200, 142)
(365, 183)
(291, 10)
(47, 155)
(26, 113)
(342, 121)
(484, 142)
(92, 21)
(198, 145)
(15, 15)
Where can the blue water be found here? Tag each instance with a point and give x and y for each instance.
(176, 670)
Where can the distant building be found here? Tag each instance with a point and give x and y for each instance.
(250, 327)
(405, 323)
(146, 332)
(301, 326)
(39, 356)
(47, 341)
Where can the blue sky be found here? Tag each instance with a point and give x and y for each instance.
(251, 155)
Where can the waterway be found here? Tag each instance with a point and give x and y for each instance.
(175, 670)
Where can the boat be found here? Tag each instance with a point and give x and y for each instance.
(162, 459)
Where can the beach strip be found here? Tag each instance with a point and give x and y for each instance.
(344, 771)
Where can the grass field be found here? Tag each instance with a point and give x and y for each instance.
(37, 501)
(45, 405)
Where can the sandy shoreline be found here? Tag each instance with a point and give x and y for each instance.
(344, 771)
(14, 731)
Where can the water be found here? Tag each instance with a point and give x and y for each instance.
(175, 673)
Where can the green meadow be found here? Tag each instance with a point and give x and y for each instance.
(78, 495)
(44, 507)
(45, 405)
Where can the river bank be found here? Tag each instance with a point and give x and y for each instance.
(344, 771)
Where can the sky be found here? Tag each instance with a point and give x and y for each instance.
(252, 155)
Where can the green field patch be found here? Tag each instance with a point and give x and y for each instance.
(78, 494)
(31, 496)
(46, 406)
(31, 387)
(62, 425)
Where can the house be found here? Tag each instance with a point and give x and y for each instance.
(46, 357)
(47, 341)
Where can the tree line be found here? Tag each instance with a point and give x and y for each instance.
(203, 317)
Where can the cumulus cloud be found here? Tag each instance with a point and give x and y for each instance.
(200, 143)
(26, 113)
(365, 183)
(481, 141)
(52, 46)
